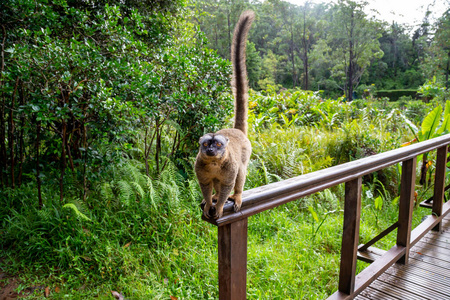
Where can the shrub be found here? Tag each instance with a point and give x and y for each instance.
(396, 94)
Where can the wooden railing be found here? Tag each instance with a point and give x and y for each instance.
(232, 227)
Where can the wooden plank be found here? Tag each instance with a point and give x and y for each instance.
(425, 246)
(421, 291)
(232, 239)
(406, 206)
(395, 291)
(434, 261)
(428, 250)
(371, 254)
(374, 294)
(366, 256)
(431, 275)
(433, 269)
(443, 247)
(439, 183)
(444, 238)
(444, 233)
(436, 242)
(350, 236)
(418, 280)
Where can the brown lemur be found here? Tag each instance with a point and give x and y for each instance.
(223, 157)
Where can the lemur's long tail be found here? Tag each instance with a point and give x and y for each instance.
(239, 82)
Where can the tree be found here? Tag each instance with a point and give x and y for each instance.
(437, 60)
(217, 19)
(79, 85)
(312, 21)
(355, 44)
(253, 65)
(397, 68)
(289, 36)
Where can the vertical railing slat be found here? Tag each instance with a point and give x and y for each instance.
(439, 183)
(233, 260)
(406, 206)
(350, 236)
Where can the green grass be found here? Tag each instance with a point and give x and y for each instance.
(176, 254)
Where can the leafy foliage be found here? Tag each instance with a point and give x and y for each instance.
(87, 78)
(316, 46)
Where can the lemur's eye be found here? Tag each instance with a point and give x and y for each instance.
(218, 144)
(205, 144)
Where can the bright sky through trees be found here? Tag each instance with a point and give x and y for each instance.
(409, 12)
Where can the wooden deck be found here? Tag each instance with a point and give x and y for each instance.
(427, 276)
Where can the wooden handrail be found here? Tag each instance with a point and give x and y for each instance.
(272, 195)
(233, 226)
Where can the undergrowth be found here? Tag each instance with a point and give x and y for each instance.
(143, 236)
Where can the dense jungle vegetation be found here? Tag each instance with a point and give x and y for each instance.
(101, 107)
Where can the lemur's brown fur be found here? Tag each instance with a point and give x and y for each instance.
(223, 156)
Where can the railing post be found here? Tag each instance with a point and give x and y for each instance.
(233, 260)
(406, 206)
(350, 236)
(439, 184)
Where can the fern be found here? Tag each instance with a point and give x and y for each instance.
(76, 208)
(125, 191)
(138, 189)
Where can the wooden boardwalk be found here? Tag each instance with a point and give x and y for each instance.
(427, 276)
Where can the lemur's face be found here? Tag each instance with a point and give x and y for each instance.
(213, 144)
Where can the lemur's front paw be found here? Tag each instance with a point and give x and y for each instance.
(219, 212)
(237, 199)
(208, 210)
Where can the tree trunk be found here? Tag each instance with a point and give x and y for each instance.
(229, 33)
(11, 133)
(158, 144)
(3, 162)
(447, 71)
(350, 63)
(85, 146)
(305, 52)
(63, 161)
(22, 129)
(424, 169)
(64, 99)
(305, 66)
(294, 71)
(38, 178)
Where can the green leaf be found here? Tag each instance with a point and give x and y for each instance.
(313, 213)
(78, 213)
(445, 126)
(431, 122)
(447, 108)
(395, 200)
(273, 110)
(378, 202)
